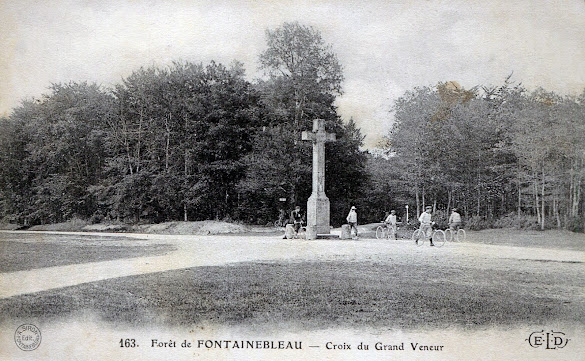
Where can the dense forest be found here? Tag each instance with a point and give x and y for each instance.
(502, 154)
(194, 141)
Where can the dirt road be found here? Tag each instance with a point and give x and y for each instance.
(194, 251)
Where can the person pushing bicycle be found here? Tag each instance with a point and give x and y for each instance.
(426, 223)
(391, 224)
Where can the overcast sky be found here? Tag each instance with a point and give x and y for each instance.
(386, 47)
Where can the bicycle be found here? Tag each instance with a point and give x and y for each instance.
(282, 220)
(438, 237)
(384, 231)
(459, 236)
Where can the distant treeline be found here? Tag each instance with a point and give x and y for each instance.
(185, 142)
(503, 155)
(193, 141)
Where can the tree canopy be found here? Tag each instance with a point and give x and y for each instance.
(493, 152)
(194, 141)
(189, 141)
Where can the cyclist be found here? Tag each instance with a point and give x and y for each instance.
(426, 224)
(391, 225)
(455, 220)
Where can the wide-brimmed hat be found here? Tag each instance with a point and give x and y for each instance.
(353, 207)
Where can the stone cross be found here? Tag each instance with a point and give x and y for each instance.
(318, 203)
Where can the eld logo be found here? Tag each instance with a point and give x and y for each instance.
(550, 340)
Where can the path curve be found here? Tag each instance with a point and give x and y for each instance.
(196, 251)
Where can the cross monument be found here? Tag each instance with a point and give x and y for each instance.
(318, 203)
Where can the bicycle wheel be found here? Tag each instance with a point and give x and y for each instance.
(461, 235)
(439, 238)
(418, 237)
(449, 235)
(380, 232)
(392, 234)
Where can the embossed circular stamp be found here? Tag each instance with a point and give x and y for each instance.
(27, 337)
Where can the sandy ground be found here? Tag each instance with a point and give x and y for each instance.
(193, 251)
(93, 340)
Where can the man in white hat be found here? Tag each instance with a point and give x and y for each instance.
(352, 221)
(426, 223)
(391, 223)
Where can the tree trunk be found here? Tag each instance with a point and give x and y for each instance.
(556, 212)
(138, 145)
(423, 200)
(127, 146)
(417, 201)
(577, 199)
(542, 197)
(168, 143)
(478, 193)
(185, 186)
(519, 192)
(535, 191)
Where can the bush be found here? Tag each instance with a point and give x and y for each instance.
(517, 221)
(72, 225)
(96, 218)
(576, 224)
(441, 219)
(477, 223)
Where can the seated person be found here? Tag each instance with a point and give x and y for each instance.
(296, 217)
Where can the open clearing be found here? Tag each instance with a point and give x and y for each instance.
(264, 280)
(25, 251)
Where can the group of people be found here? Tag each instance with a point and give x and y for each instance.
(391, 222)
(425, 219)
(426, 223)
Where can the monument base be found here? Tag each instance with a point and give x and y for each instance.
(327, 236)
(317, 215)
(345, 232)
(312, 234)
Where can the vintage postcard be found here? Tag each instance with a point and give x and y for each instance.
(292, 180)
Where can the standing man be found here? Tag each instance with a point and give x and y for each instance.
(455, 220)
(391, 223)
(352, 221)
(426, 223)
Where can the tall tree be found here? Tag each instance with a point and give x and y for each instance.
(303, 69)
(178, 138)
(62, 148)
(304, 77)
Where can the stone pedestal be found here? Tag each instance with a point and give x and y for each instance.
(345, 232)
(318, 214)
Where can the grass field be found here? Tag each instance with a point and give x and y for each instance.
(391, 294)
(24, 251)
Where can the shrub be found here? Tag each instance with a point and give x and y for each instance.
(477, 223)
(517, 221)
(576, 224)
(441, 219)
